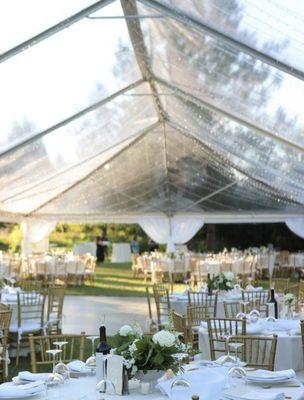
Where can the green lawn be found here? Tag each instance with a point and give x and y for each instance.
(113, 279)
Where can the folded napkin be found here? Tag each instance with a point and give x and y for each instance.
(234, 394)
(9, 389)
(29, 376)
(204, 382)
(262, 374)
(78, 366)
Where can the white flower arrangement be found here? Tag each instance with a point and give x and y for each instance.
(229, 276)
(164, 338)
(289, 299)
(125, 330)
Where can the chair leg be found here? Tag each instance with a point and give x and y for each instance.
(17, 352)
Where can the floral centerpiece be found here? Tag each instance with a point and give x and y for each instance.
(149, 353)
(289, 300)
(224, 281)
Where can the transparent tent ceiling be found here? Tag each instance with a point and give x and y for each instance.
(111, 110)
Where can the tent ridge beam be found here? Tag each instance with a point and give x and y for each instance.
(228, 114)
(87, 176)
(215, 32)
(70, 119)
(138, 43)
(67, 22)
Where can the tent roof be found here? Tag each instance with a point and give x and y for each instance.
(147, 107)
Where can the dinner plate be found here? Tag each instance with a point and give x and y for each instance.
(267, 381)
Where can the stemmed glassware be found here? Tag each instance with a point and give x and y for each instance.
(180, 389)
(227, 358)
(180, 357)
(61, 368)
(91, 361)
(53, 378)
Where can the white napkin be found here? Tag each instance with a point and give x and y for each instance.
(255, 395)
(29, 376)
(253, 329)
(9, 389)
(78, 366)
(262, 374)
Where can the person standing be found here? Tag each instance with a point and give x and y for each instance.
(135, 246)
(99, 250)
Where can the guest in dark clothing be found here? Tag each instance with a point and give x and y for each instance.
(152, 246)
(100, 255)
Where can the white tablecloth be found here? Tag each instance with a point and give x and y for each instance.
(179, 303)
(84, 389)
(121, 252)
(289, 354)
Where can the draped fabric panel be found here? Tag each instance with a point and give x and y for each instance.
(170, 231)
(35, 231)
(296, 225)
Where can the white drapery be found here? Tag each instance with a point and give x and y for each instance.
(35, 231)
(171, 231)
(296, 225)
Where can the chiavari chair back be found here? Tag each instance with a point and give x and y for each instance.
(259, 296)
(180, 326)
(73, 350)
(162, 302)
(204, 299)
(55, 308)
(281, 284)
(196, 314)
(5, 319)
(152, 325)
(257, 351)
(29, 285)
(233, 308)
(219, 328)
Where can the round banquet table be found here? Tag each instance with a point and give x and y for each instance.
(289, 354)
(84, 389)
(179, 303)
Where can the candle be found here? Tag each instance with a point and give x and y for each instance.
(145, 388)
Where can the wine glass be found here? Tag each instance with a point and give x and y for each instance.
(53, 378)
(227, 358)
(236, 346)
(254, 316)
(180, 389)
(91, 361)
(61, 368)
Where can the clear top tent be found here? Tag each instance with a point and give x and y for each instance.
(122, 110)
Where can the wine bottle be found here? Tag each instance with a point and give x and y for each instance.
(274, 302)
(209, 284)
(195, 397)
(103, 349)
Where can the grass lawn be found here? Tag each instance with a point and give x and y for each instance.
(113, 279)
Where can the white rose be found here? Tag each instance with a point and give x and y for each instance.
(133, 347)
(164, 338)
(125, 330)
(229, 275)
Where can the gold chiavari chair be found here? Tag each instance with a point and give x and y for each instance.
(232, 308)
(28, 285)
(30, 317)
(281, 284)
(218, 328)
(5, 319)
(257, 351)
(55, 309)
(261, 297)
(196, 314)
(152, 325)
(162, 302)
(73, 350)
(203, 299)
(180, 326)
(302, 334)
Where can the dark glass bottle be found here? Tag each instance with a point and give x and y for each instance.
(274, 302)
(209, 286)
(103, 346)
